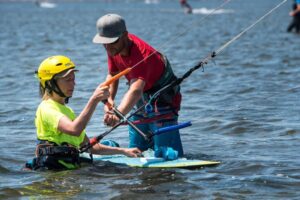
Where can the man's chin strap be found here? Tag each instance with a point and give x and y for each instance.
(54, 87)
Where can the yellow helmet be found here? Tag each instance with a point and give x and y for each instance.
(52, 66)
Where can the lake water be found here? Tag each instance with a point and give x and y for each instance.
(245, 108)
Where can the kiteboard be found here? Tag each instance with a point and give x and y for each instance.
(154, 162)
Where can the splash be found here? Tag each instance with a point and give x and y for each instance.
(151, 1)
(45, 4)
(205, 11)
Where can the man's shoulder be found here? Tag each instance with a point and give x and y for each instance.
(135, 38)
(140, 44)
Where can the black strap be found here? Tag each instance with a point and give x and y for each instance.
(52, 86)
(166, 78)
(57, 151)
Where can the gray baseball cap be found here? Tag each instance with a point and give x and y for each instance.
(110, 27)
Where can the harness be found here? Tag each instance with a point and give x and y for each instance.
(166, 78)
(59, 151)
(51, 156)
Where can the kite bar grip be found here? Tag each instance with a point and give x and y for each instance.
(172, 128)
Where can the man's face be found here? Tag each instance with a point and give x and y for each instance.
(115, 47)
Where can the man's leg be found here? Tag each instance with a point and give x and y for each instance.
(168, 139)
(135, 139)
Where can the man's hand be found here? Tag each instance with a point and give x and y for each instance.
(110, 119)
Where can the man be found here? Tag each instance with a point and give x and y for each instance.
(187, 8)
(151, 72)
(295, 24)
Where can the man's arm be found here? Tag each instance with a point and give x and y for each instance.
(132, 96)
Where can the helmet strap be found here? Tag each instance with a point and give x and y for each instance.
(54, 87)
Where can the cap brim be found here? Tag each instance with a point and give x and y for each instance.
(65, 73)
(104, 40)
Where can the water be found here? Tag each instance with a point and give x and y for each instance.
(244, 110)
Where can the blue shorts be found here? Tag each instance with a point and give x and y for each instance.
(169, 139)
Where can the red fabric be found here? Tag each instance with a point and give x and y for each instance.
(149, 70)
(176, 102)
